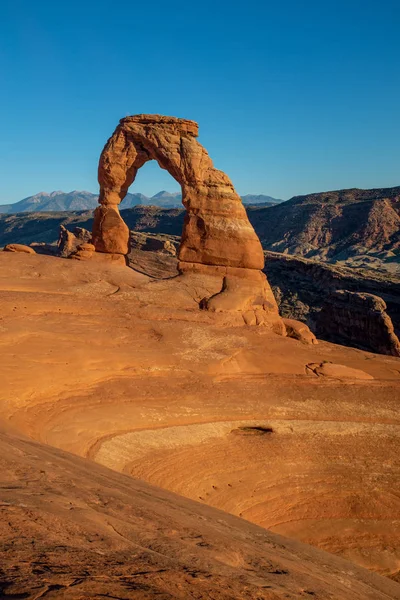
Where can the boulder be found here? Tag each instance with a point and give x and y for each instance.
(19, 248)
(68, 241)
(299, 331)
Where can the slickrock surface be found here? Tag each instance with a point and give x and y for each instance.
(109, 364)
(73, 530)
(328, 369)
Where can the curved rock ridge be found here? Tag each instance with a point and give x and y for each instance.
(216, 229)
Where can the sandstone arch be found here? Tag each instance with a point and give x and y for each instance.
(217, 239)
(216, 230)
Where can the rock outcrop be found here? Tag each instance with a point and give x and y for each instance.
(358, 319)
(299, 331)
(68, 241)
(153, 242)
(218, 240)
(19, 248)
(216, 229)
(301, 287)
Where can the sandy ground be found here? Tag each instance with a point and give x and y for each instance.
(107, 364)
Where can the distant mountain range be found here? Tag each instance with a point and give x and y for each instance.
(359, 228)
(76, 200)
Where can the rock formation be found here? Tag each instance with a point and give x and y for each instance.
(85, 532)
(302, 286)
(217, 240)
(360, 227)
(358, 319)
(19, 248)
(216, 230)
(153, 242)
(332, 370)
(68, 241)
(299, 331)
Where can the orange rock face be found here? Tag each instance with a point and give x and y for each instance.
(19, 248)
(216, 230)
(218, 242)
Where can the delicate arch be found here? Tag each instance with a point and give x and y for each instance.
(216, 229)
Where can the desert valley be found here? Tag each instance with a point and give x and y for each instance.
(206, 415)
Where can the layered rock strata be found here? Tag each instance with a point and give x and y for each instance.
(216, 229)
(358, 319)
(217, 239)
(302, 287)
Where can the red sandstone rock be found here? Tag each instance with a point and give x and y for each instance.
(86, 252)
(327, 369)
(19, 248)
(110, 234)
(360, 319)
(299, 331)
(69, 241)
(217, 239)
(216, 230)
(87, 246)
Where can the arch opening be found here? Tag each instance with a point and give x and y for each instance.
(153, 186)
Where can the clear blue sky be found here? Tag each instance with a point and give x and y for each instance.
(292, 97)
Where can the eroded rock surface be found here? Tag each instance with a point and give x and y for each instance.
(328, 369)
(299, 331)
(156, 392)
(19, 248)
(68, 241)
(217, 240)
(216, 229)
(358, 319)
(79, 530)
